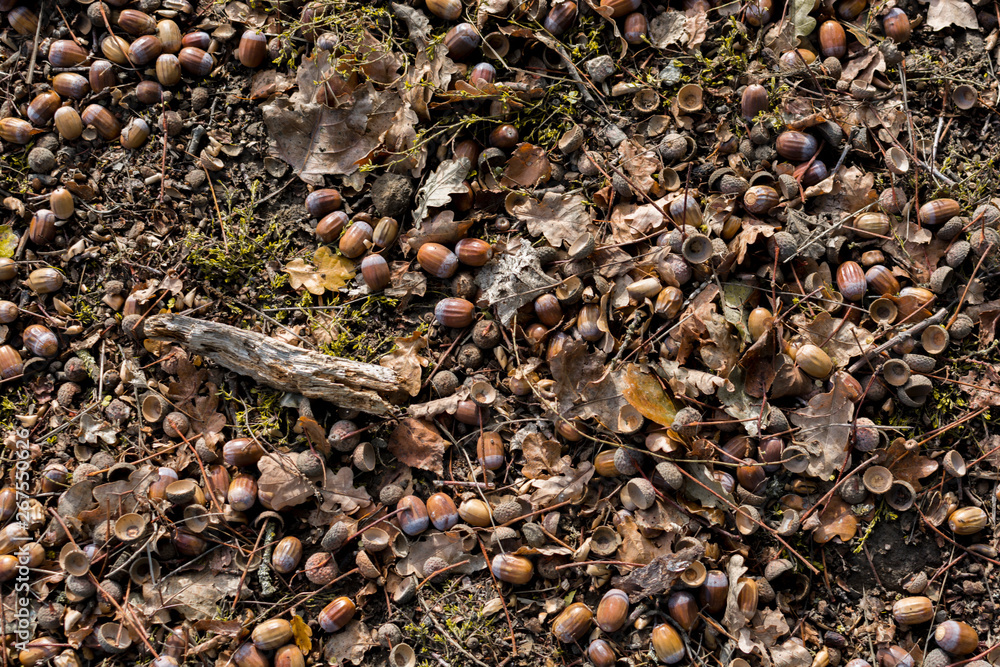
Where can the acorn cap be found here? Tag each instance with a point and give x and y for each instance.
(131, 527)
(878, 479)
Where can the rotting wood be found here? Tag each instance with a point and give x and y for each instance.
(345, 383)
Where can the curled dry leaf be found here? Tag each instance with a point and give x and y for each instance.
(734, 618)
(281, 480)
(351, 643)
(93, 429)
(908, 466)
(659, 575)
(447, 180)
(836, 521)
(824, 430)
(194, 596)
(945, 13)
(339, 492)
(513, 279)
(439, 406)
(840, 339)
(451, 546)
(543, 457)
(668, 29)
(561, 218)
(643, 392)
(791, 654)
(331, 272)
(571, 485)
(405, 359)
(418, 444)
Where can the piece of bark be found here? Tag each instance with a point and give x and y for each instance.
(343, 382)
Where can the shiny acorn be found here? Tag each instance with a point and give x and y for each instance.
(913, 610)
(896, 25)
(715, 591)
(168, 69)
(413, 519)
(635, 28)
(40, 341)
(43, 107)
(851, 281)
(252, 49)
(938, 211)
(11, 364)
(437, 260)
(473, 252)
(516, 570)
(560, 17)
(796, 146)
(45, 280)
(881, 281)
(195, 61)
(968, 520)
(449, 10)
(601, 654)
(760, 199)
(462, 40)
(375, 272)
(242, 493)
(272, 634)
(15, 130)
(753, 101)
(66, 53)
(454, 312)
(572, 623)
(101, 76)
(287, 554)
(144, 50)
(814, 361)
(242, 452)
(620, 8)
(612, 611)
(956, 637)
(832, 39)
(490, 451)
(683, 608)
(442, 511)
(474, 512)
(101, 120)
(337, 614)
(668, 644)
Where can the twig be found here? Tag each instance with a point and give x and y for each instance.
(836, 486)
(965, 292)
(901, 336)
(496, 585)
(430, 577)
(34, 46)
(447, 635)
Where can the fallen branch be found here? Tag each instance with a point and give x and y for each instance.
(343, 382)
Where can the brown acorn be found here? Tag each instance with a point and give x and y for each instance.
(15, 130)
(560, 17)
(43, 107)
(289, 656)
(442, 511)
(413, 519)
(811, 173)
(612, 611)
(45, 280)
(760, 199)
(71, 84)
(938, 211)
(548, 310)
(504, 136)
(851, 281)
(252, 49)
(896, 25)
(249, 655)
(170, 36)
(832, 40)
(449, 10)
(454, 312)
(168, 69)
(149, 92)
(66, 53)
(271, 634)
(134, 134)
(473, 252)
(23, 20)
(635, 28)
(42, 229)
(40, 341)
(814, 361)
(136, 23)
(601, 654)
(242, 493)
(667, 644)
(8, 312)
(242, 452)
(101, 76)
(437, 260)
(323, 201)
(871, 225)
(956, 637)
(715, 591)
(913, 610)
(197, 39)
(848, 10)
(10, 362)
(516, 570)
(353, 242)
(475, 512)
(968, 520)
(287, 554)
(572, 623)
(375, 272)
(881, 281)
(462, 40)
(101, 120)
(490, 451)
(683, 608)
(620, 8)
(587, 322)
(195, 61)
(796, 146)
(337, 614)
(753, 101)
(145, 50)
(481, 74)
(758, 12)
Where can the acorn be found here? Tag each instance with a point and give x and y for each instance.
(913, 610)
(683, 608)
(504, 136)
(149, 92)
(23, 20)
(848, 10)
(601, 654)
(475, 512)
(242, 493)
(967, 521)
(10, 362)
(249, 655)
(352, 243)
(330, 226)
(15, 130)
(620, 8)
(101, 120)
(70, 84)
(896, 25)
(715, 591)
(956, 637)
(8, 312)
(938, 211)
(490, 451)
(449, 10)
(136, 23)
(759, 321)
(413, 519)
(811, 173)
(168, 69)
(242, 452)
(574, 621)
(753, 101)
(758, 12)
(482, 73)
(667, 644)
(473, 252)
(881, 281)
(442, 511)
(560, 17)
(548, 310)
(68, 123)
(386, 230)
(454, 312)
(195, 61)
(252, 49)
(796, 146)
(612, 611)
(66, 53)
(851, 281)
(462, 40)
(8, 269)
(43, 107)
(587, 322)
(323, 201)
(135, 133)
(871, 225)
(832, 40)
(760, 199)
(635, 28)
(289, 656)
(45, 280)
(40, 341)
(61, 203)
(188, 544)
(42, 229)
(437, 260)
(145, 50)
(337, 614)
(170, 36)
(375, 272)
(271, 634)
(814, 361)
(286, 555)
(516, 570)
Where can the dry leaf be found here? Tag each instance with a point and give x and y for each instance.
(643, 392)
(448, 179)
(330, 273)
(513, 279)
(561, 218)
(280, 478)
(572, 485)
(405, 359)
(195, 596)
(824, 430)
(945, 13)
(302, 634)
(688, 382)
(907, 466)
(837, 520)
(350, 643)
(339, 492)
(659, 575)
(527, 167)
(418, 444)
(543, 457)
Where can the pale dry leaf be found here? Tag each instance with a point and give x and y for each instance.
(689, 382)
(351, 643)
(945, 13)
(281, 480)
(824, 430)
(315, 139)
(339, 492)
(804, 23)
(417, 23)
(93, 429)
(697, 27)
(543, 457)
(791, 654)
(561, 218)
(668, 29)
(330, 273)
(406, 360)
(571, 485)
(658, 575)
(840, 339)
(194, 596)
(448, 179)
(418, 444)
(640, 164)
(734, 619)
(448, 546)
(751, 412)
(513, 279)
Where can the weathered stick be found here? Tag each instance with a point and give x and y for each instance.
(345, 383)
